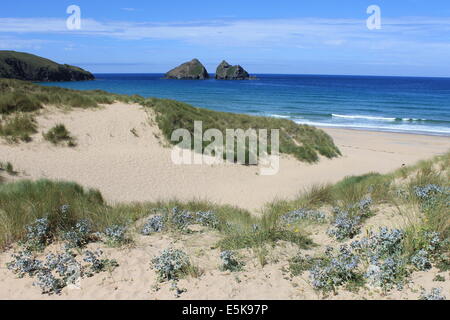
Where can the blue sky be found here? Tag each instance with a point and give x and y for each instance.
(298, 36)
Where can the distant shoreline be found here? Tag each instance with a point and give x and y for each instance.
(418, 133)
(376, 132)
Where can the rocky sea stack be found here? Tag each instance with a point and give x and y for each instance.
(25, 66)
(225, 71)
(192, 70)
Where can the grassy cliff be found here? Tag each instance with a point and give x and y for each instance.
(25, 66)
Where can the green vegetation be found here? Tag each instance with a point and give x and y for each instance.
(25, 66)
(18, 127)
(58, 135)
(18, 101)
(299, 264)
(302, 141)
(21, 203)
(8, 167)
(25, 96)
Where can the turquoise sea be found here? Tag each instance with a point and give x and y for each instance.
(396, 104)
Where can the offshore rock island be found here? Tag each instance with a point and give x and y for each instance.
(192, 70)
(225, 71)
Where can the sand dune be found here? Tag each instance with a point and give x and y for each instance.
(137, 167)
(125, 167)
(135, 278)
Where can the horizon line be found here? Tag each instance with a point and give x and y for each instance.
(294, 74)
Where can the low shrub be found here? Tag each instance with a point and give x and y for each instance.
(38, 234)
(79, 235)
(58, 270)
(18, 127)
(178, 220)
(116, 235)
(8, 167)
(335, 269)
(153, 224)
(230, 261)
(434, 294)
(58, 135)
(171, 264)
(96, 264)
(345, 225)
(304, 214)
(24, 263)
(300, 263)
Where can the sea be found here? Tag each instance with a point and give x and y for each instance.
(393, 104)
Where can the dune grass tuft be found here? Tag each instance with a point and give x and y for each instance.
(18, 127)
(59, 135)
(8, 167)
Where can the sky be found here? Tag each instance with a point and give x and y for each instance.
(282, 37)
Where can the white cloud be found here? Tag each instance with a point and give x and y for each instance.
(13, 43)
(300, 33)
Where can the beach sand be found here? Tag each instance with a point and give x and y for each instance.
(127, 168)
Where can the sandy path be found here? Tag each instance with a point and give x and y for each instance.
(129, 168)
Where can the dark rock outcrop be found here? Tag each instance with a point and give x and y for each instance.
(192, 70)
(25, 66)
(225, 71)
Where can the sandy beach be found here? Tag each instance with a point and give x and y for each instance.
(126, 167)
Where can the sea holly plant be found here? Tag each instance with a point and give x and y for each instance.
(230, 261)
(65, 265)
(363, 207)
(430, 191)
(304, 214)
(116, 235)
(347, 222)
(378, 259)
(38, 234)
(431, 194)
(179, 220)
(388, 273)
(96, 264)
(207, 219)
(171, 264)
(48, 283)
(79, 235)
(59, 270)
(24, 263)
(383, 253)
(434, 294)
(381, 244)
(335, 269)
(344, 225)
(430, 249)
(421, 260)
(154, 224)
